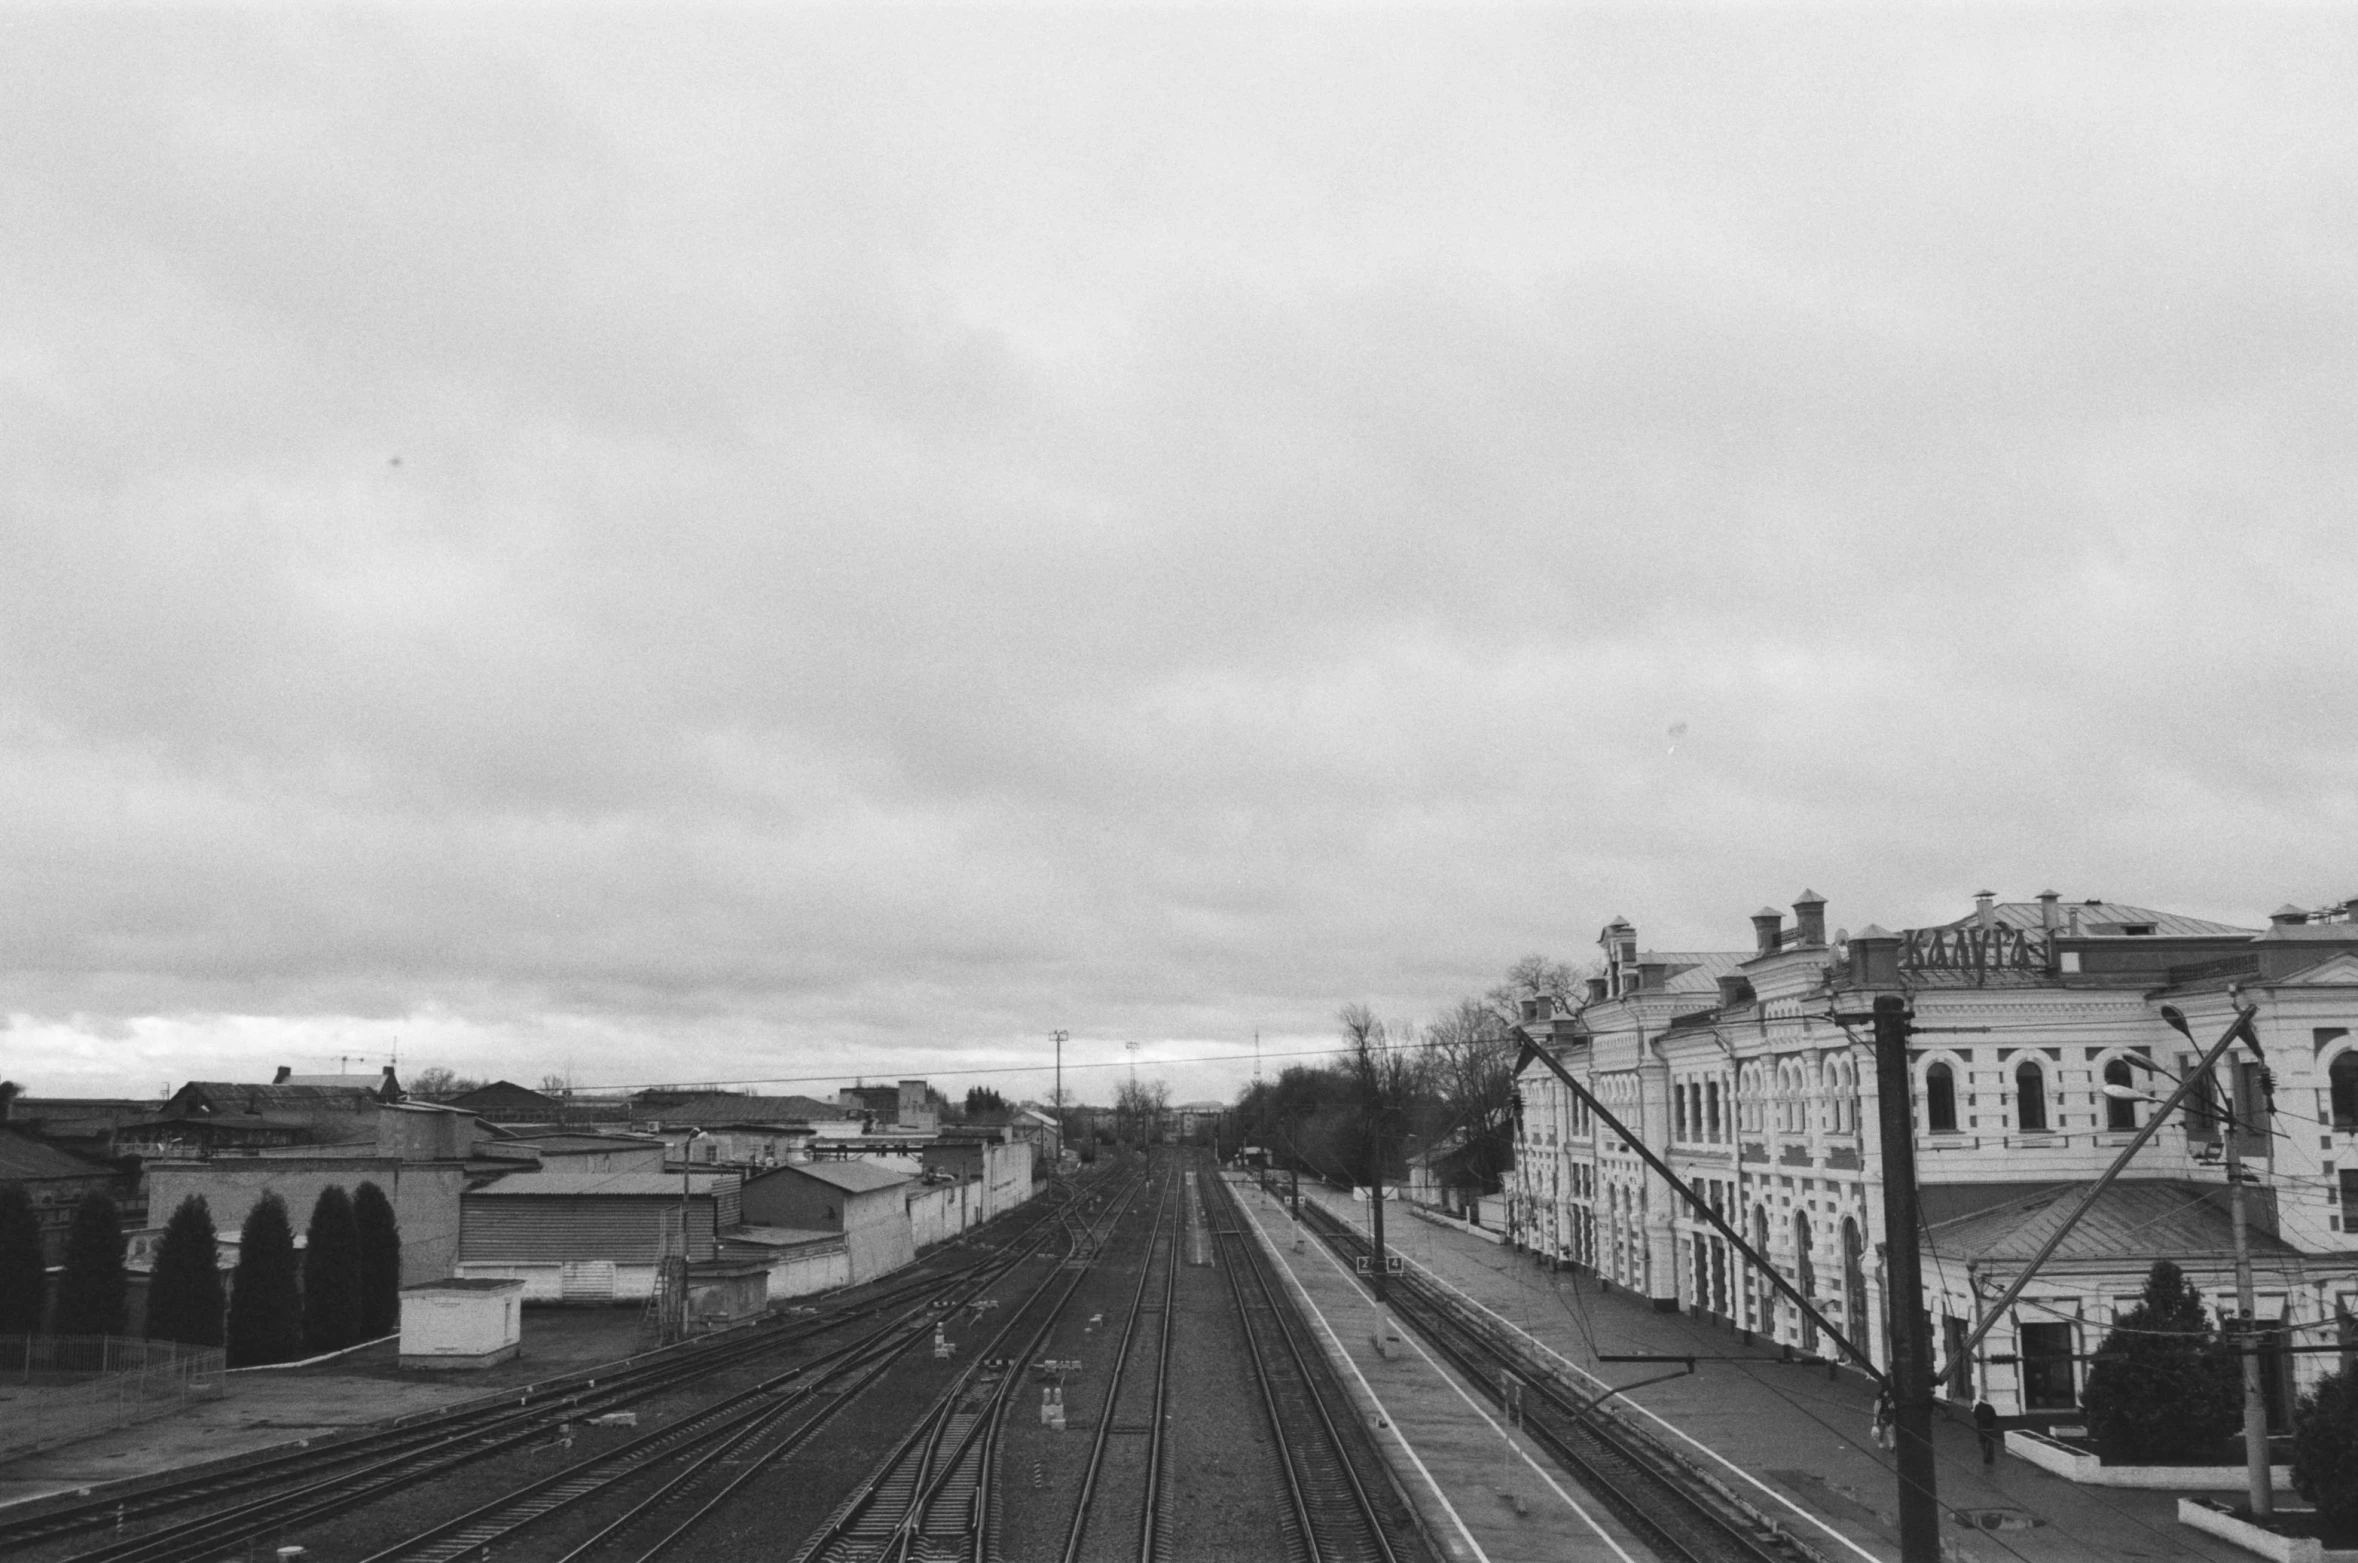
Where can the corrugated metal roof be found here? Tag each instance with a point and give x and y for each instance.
(853, 1177)
(22, 1156)
(2104, 918)
(573, 1185)
(2132, 1222)
(700, 1107)
(1693, 971)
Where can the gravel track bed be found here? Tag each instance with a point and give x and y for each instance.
(412, 1508)
(769, 1518)
(1039, 1469)
(1228, 1498)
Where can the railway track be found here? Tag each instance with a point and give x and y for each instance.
(298, 1487)
(1676, 1514)
(950, 1503)
(1335, 1517)
(1119, 1514)
(932, 1497)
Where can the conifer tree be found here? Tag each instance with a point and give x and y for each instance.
(91, 1290)
(380, 1262)
(24, 1276)
(185, 1302)
(2166, 1388)
(331, 1274)
(2325, 1449)
(265, 1303)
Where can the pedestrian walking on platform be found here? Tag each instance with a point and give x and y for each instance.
(1885, 1436)
(1985, 1427)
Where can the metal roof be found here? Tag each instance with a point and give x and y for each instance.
(576, 1185)
(2101, 919)
(853, 1177)
(1693, 971)
(2131, 1222)
(22, 1156)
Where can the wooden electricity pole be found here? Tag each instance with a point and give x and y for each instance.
(1910, 1328)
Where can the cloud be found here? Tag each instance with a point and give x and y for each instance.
(711, 546)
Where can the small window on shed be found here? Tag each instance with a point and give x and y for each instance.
(1940, 1099)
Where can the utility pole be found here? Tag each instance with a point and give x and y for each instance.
(1059, 1035)
(2255, 1401)
(1911, 1346)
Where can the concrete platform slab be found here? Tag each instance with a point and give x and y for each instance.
(1793, 1440)
(1484, 1496)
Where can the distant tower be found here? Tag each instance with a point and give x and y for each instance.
(1132, 1045)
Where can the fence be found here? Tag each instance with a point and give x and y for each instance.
(63, 1387)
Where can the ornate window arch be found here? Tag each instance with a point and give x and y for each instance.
(2341, 1083)
(1940, 1082)
(2029, 1080)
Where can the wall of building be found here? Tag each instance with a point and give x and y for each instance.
(940, 1211)
(876, 1232)
(425, 1197)
(1768, 1106)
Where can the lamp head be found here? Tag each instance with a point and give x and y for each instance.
(2127, 1093)
(2177, 1019)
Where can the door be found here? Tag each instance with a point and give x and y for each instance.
(2048, 1383)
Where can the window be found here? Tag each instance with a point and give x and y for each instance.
(2048, 1383)
(1711, 1109)
(1940, 1099)
(2119, 1114)
(2030, 1099)
(2342, 1077)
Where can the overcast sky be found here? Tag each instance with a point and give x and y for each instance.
(793, 543)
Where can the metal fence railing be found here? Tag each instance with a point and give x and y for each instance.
(63, 1387)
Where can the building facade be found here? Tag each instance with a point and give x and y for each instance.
(2041, 1047)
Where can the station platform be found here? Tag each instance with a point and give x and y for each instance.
(1483, 1494)
(1790, 1437)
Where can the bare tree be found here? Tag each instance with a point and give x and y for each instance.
(1470, 1067)
(1140, 1105)
(439, 1081)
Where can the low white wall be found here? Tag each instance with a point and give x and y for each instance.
(2214, 1521)
(2077, 1465)
(814, 1267)
(545, 1282)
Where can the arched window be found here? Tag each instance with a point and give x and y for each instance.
(1940, 1099)
(1854, 1284)
(2342, 1076)
(1805, 1277)
(2119, 1113)
(2030, 1098)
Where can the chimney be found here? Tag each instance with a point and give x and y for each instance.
(2287, 916)
(1874, 958)
(1765, 924)
(1985, 908)
(1809, 918)
(1596, 990)
(285, 1072)
(2048, 914)
(1734, 990)
(8, 1090)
